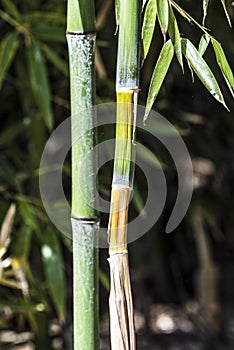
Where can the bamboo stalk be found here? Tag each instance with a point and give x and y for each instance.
(81, 44)
(127, 84)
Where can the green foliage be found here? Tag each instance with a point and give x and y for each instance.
(8, 50)
(201, 69)
(160, 71)
(168, 22)
(148, 26)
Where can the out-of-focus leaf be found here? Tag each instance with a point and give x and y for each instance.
(21, 243)
(226, 13)
(49, 32)
(104, 279)
(54, 270)
(8, 48)
(11, 132)
(6, 229)
(55, 59)
(26, 211)
(137, 200)
(163, 15)
(22, 306)
(223, 64)
(174, 33)
(39, 16)
(160, 71)
(205, 7)
(202, 70)
(203, 44)
(148, 26)
(39, 83)
(11, 8)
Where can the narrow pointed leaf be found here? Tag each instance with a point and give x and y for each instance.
(226, 13)
(205, 7)
(202, 70)
(148, 26)
(8, 48)
(186, 15)
(160, 71)
(55, 59)
(163, 15)
(54, 271)
(11, 9)
(224, 65)
(39, 83)
(203, 44)
(174, 34)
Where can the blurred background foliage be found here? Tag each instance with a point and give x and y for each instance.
(191, 268)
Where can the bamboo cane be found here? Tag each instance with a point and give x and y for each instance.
(81, 43)
(127, 84)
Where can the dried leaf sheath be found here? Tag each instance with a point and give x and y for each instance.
(120, 301)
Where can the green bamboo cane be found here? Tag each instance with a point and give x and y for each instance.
(81, 44)
(127, 85)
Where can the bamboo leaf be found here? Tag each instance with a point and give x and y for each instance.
(203, 44)
(54, 270)
(39, 83)
(49, 32)
(160, 71)
(226, 13)
(223, 64)
(148, 26)
(8, 48)
(202, 70)
(55, 59)
(163, 15)
(174, 34)
(186, 15)
(205, 7)
(39, 16)
(11, 8)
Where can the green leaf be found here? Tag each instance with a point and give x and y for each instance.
(186, 15)
(27, 213)
(11, 9)
(205, 6)
(21, 244)
(56, 60)
(8, 48)
(9, 134)
(223, 64)
(174, 34)
(202, 70)
(54, 271)
(39, 83)
(49, 32)
(203, 44)
(39, 16)
(163, 15)
(148, 26)
(160, 71)
(226, 13)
